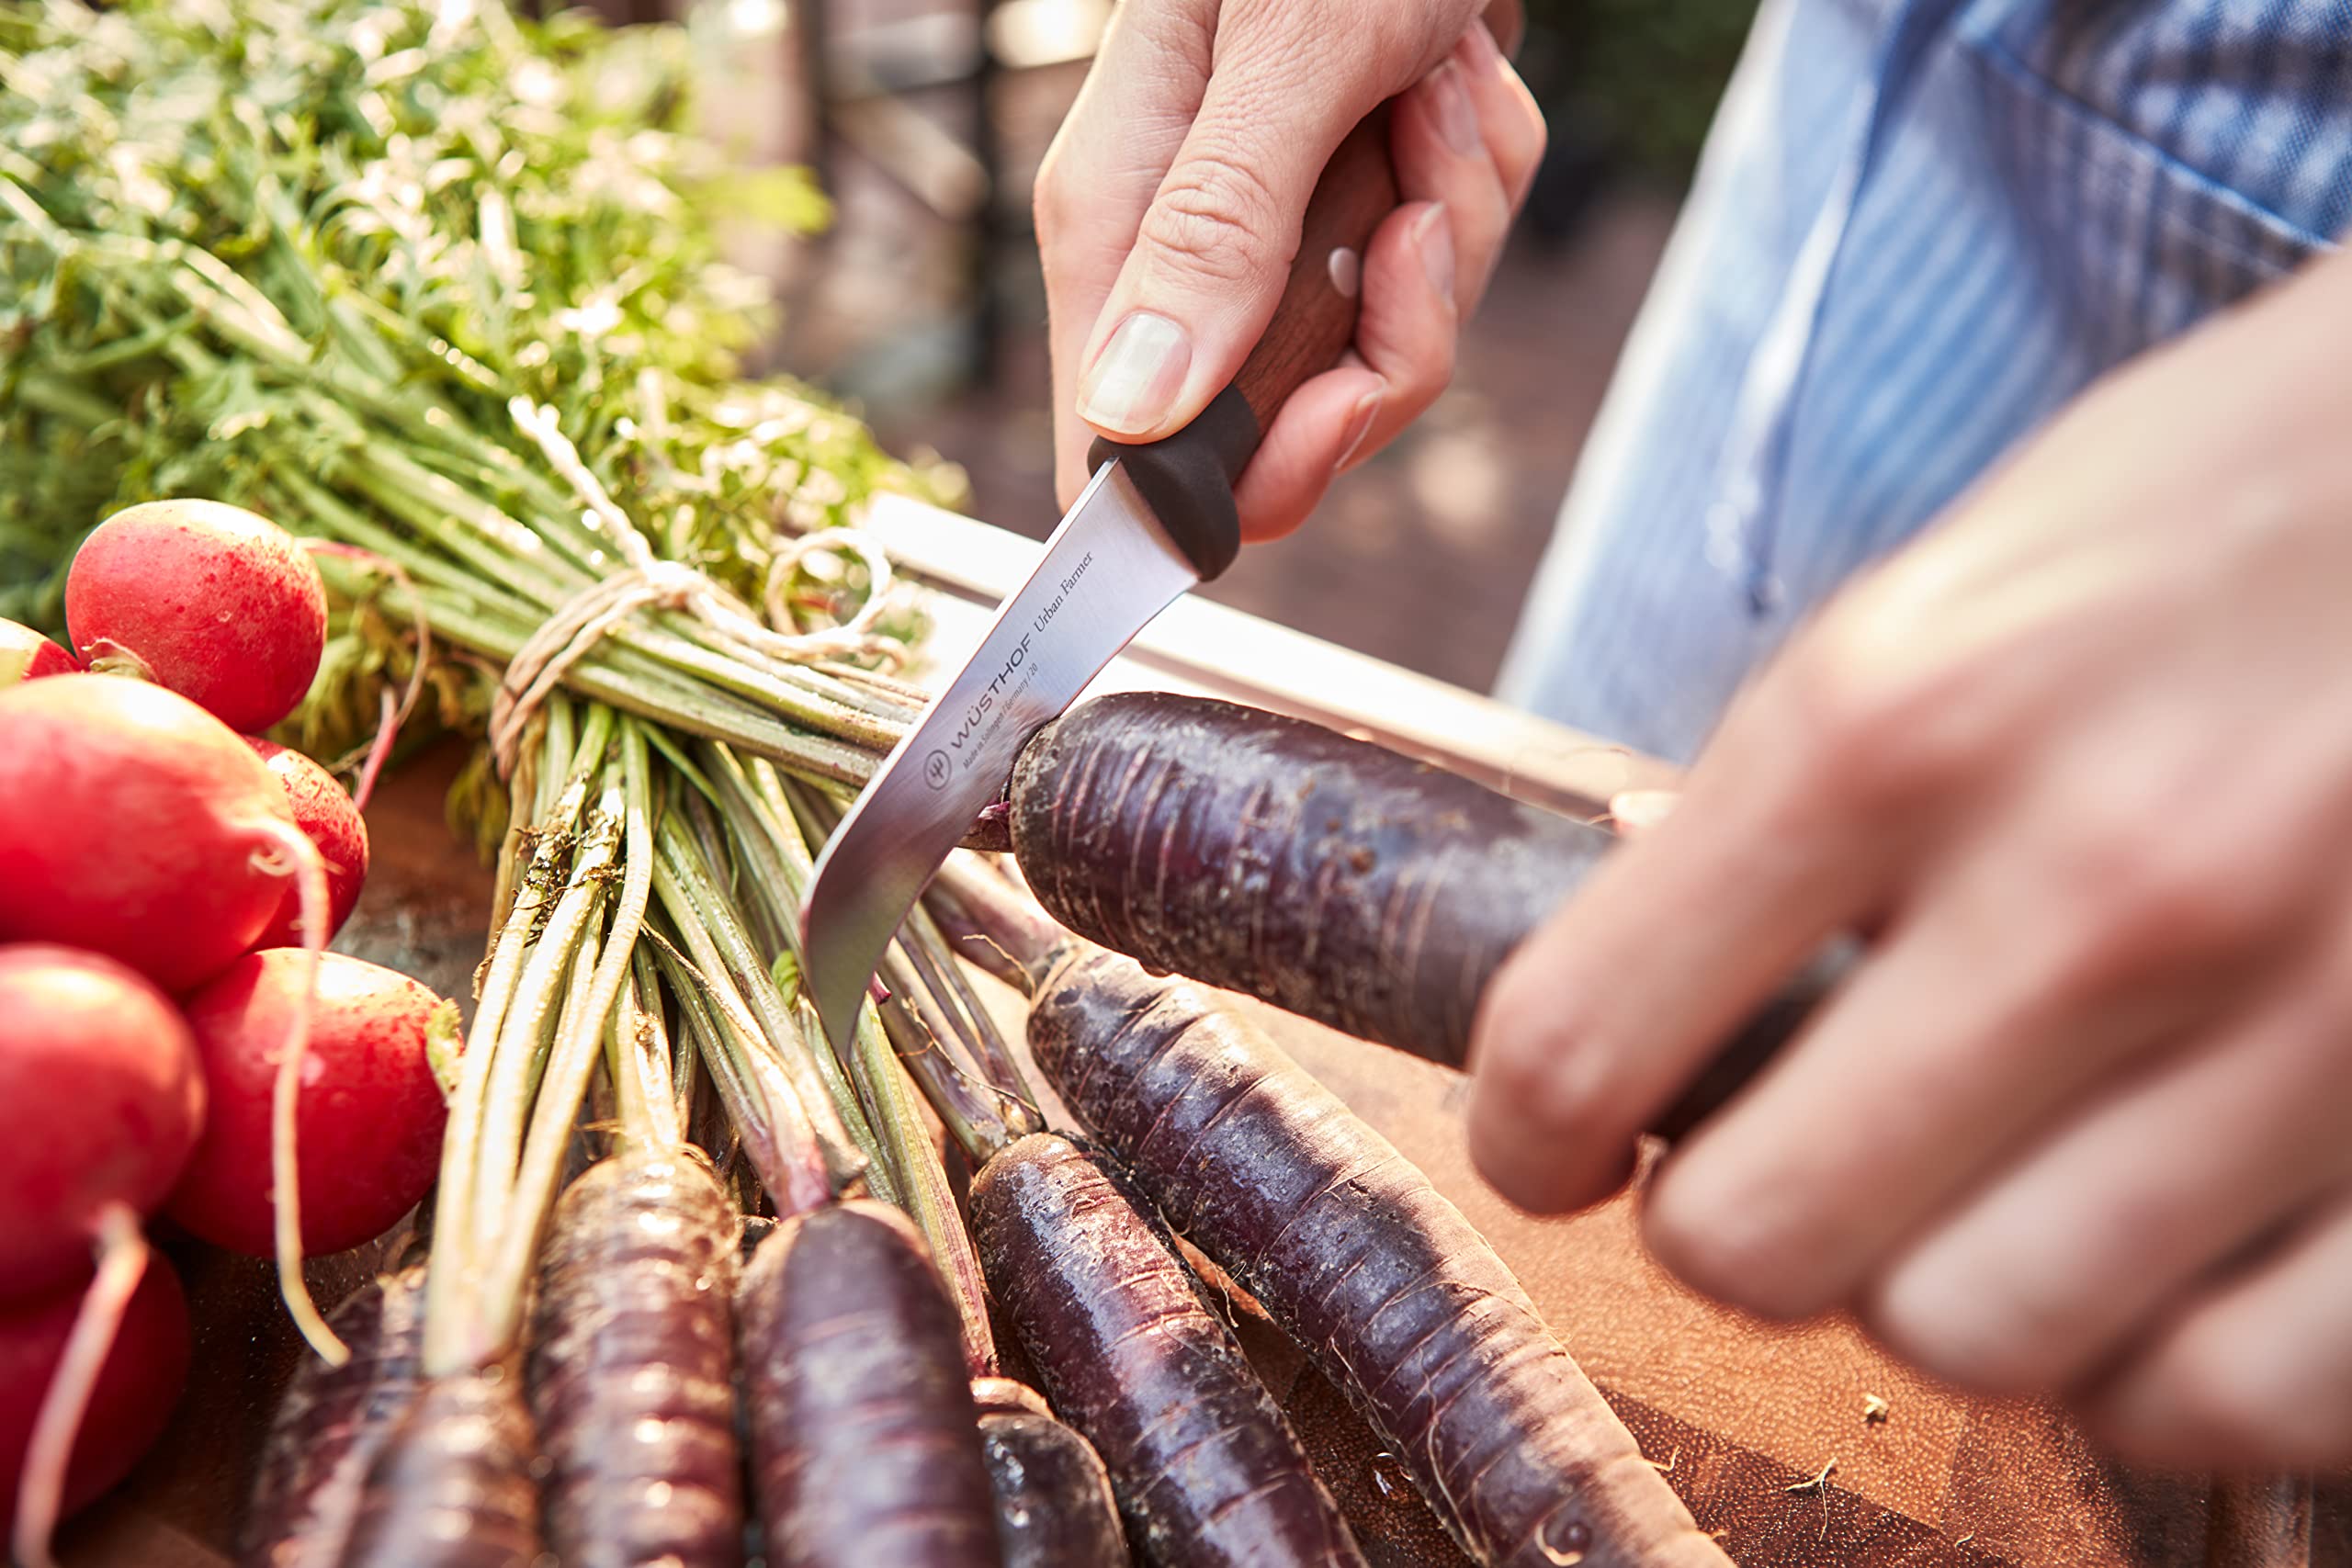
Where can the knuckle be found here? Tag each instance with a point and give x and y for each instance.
(1910, 711)
(1215, 218)
(1051, 204)
(1875, 734)
(2150, 891)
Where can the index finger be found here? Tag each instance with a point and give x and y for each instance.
(1600, 1020)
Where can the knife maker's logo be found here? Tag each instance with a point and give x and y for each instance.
(937, 767)
(985, 702)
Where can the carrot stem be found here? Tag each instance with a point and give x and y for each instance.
(921, 940)
(714, 935)
(573, 1058)
(451, 1280)
(542, 991)
(992, 924)
(922, 1181)
(924, 1045)
(639, 1064)
(760, 1101)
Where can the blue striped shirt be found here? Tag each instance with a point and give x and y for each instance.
(1920, 226)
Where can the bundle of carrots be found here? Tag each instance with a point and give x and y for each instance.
(754, 1234)
(643, 1097)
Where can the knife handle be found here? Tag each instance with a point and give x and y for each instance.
(1188, 478)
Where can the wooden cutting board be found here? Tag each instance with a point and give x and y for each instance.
(1765, 1431)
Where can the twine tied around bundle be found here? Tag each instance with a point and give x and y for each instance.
(646, 580)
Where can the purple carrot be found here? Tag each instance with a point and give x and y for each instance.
(864, 1443)
(632, 1368)
(1054, 1507)
(452, 1484)
(1328, 877)
(1395, 1295)
(329, 1425)
(1207, 1471)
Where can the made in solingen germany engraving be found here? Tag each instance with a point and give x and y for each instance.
(1015, 673)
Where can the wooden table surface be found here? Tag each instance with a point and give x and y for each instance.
(1761, 1428)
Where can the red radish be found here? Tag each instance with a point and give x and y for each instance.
(84, 1033)
(26, 655)
(134, 824)
(368, 1102)
(217, 603)
(325, 811)
(137, 1381)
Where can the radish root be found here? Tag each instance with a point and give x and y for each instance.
(370, 760)
(290, 851)
(122, 1263)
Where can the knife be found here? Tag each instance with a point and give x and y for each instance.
(1154, 520)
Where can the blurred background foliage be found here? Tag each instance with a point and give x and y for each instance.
(1641, 77)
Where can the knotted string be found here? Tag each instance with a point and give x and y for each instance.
(647, 581)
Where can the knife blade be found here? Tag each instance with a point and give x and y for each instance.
(1107, 570)
(1156, 520)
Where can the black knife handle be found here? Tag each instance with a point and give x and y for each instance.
(1188, 478)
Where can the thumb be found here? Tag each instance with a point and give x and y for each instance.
(1214, 248)
(1638, 811)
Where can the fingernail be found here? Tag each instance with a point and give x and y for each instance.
(1433, 237)
(1138, 374)
(1359, 430)
(1457, 118)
